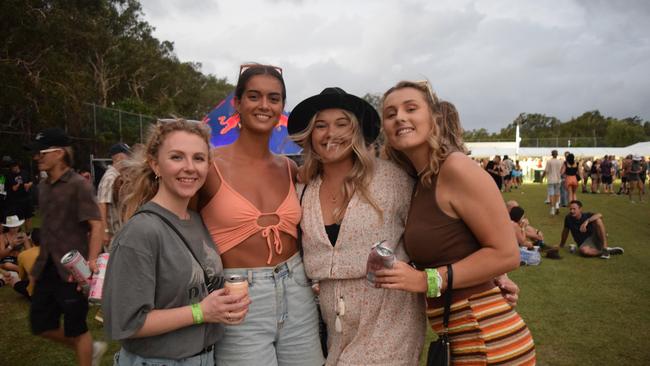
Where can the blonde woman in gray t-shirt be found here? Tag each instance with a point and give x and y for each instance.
(161, 297)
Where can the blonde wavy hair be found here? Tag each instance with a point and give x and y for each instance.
(139, 181)
(446, 133)
(359, 177)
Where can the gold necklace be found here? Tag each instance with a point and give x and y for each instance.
(332, 197)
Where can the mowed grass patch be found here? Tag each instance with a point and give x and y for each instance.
(20, 347)
(587, 311)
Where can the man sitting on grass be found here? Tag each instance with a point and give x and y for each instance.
(588, 231)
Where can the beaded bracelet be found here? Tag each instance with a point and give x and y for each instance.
(434, 282)
(197, 313)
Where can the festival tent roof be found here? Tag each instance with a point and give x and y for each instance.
(486, 149)
(224, 123)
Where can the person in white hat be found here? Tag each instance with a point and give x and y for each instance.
(12, 242)
(634, 178)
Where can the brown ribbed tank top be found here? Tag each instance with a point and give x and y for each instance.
(433, 239)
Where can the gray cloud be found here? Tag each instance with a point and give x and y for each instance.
(493, 59)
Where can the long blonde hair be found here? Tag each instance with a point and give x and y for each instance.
(359, 177)
(139, 181)
(446, 133)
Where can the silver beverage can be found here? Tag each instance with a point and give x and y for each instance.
(236, 284)
(380, 257)
(76, 264)
(97, 285)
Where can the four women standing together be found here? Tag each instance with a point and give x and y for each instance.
(350, 199)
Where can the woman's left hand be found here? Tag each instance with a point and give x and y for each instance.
(509, 289)
(401, 277)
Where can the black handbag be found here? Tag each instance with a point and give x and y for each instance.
(440, 350)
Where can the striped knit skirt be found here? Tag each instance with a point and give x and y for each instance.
(485, 330)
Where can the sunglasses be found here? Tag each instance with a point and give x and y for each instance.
(244, 67)
(427, 85)
(43, 152)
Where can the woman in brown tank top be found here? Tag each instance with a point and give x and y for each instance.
(456, 217)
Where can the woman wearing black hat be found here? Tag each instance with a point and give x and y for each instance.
(350, 201)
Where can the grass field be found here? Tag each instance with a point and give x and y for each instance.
(580, 311)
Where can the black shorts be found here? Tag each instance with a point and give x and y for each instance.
(633, 177)
(53, 298)
(507, 177)
(606, 179)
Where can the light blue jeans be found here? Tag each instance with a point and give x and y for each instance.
(281, 327)
(126, 358)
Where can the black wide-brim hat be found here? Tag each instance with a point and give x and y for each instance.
(335, 97)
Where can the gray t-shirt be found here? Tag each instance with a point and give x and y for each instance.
(150, 268)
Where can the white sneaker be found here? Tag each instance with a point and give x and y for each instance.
(552, 211)
(99, 348)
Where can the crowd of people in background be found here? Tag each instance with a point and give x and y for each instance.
(577, 174)
(281, 230)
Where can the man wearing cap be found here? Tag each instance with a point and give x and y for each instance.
(107, 206)
(70, 221)
(19, 202)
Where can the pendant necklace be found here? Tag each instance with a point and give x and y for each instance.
(332, 197)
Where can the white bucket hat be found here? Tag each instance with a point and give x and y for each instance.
(13, 221)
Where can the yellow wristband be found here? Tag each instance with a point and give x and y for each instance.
(197, 313)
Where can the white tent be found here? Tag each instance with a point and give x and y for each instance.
(488, 149)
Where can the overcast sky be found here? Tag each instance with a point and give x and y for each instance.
(494, 59)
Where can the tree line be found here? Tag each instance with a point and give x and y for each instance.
(58, 55)
(588, 127)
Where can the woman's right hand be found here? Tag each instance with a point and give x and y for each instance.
(222, 307)
(402, 277)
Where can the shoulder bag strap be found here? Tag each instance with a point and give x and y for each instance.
(299, 238)
(450, 286)
(187, 245)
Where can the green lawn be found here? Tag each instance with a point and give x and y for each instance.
(581, 311)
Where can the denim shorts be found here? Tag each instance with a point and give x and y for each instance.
(281, 327)
(126, 358)
(553, 189)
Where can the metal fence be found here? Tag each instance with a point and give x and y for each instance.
(552, 141)
(109, 125)
(102, 128)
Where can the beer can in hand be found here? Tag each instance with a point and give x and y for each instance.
(77, 265)
(380, 257)
(236, 285)
(98, 279)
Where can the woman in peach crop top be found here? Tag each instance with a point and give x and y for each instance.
(231, 218)
(251, 210)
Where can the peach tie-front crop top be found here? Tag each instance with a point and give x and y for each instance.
(231, 218)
